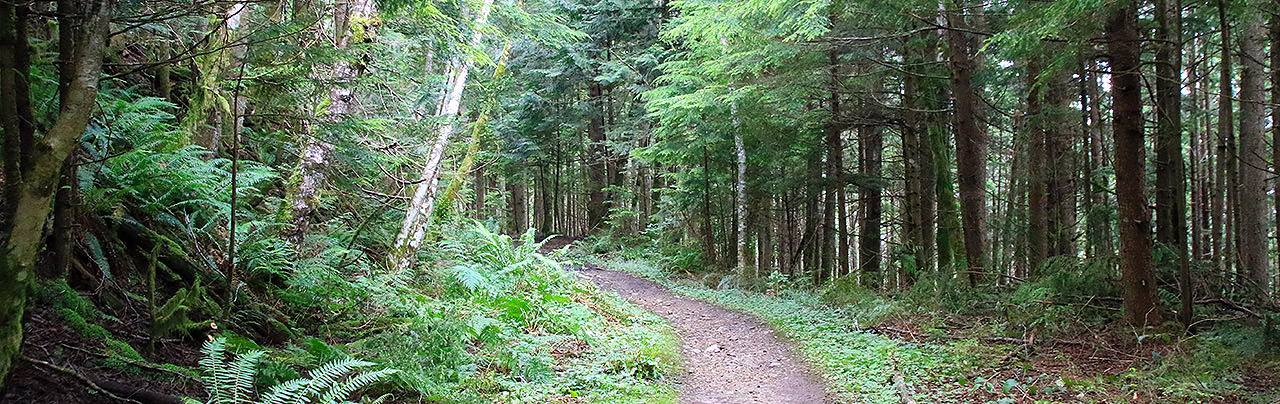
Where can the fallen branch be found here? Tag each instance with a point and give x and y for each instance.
(81, 378)
(143, 365)
(1228, 304)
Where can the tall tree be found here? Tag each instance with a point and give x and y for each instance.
(597, 155)
(971, 143)
(417, 219)
(1171, 187)
(1124, 50)
(1275, 119)
(1252, 191)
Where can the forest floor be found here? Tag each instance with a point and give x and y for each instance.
(730, 357)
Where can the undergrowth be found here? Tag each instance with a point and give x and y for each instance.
(957, 346)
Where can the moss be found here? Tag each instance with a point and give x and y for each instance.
(78, 313)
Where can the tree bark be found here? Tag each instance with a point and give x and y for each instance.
(708, 231)
(834, 170)
(1252, 191)
(516, 188)
(1099, 223)
(1227, 155)
(869, 238)
(1059, 137)
(597, 154)
(1037, 187)
(315, 154)
(971, 146)
(740, 189)
(1140, 304)
(1275, 121)
(417, 218)
(35, 185)
(1171, 187)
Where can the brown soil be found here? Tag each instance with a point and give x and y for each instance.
(731, 357)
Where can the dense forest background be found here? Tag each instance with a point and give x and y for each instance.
(357, 178)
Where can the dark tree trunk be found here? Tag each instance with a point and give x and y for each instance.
(1099, 224)
(1123, 45)
(1275, 119)
(1227, 157)
(708, 231)
(597, 155)
(834, 175)
(1059, 136)
(1171, 187)
(912, 236)
(971, 146)
(872, 139)
(517, 188)
(1037, 187)
(812, 212)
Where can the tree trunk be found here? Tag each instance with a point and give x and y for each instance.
(1171, 187)
(764, 232)
(1253, 165)
(315, 153)
(416, 221)
(1037, 187)
(1140, 304)
(834, 171)
(812, 213)
(971, 146)
(1098, 220)
(1228, 156)
(708, 232)
(740, 151)
(872, 139)
(1058, 139)
(1275, 122)
(597, 154)
(516, 188)
(34, 186)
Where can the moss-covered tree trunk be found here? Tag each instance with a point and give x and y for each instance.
(34, 184)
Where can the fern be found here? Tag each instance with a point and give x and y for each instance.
(231, 381)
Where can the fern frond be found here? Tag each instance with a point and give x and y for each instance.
(289, 392)
(329, 373)
(213, 363)
(340, 391)
(242, 372)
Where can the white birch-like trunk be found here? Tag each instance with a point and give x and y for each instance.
(315, 154)
(416, 220)
(741, 207)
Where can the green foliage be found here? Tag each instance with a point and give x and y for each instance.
(173, 316)
(231, 380)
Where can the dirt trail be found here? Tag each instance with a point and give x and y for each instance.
(731, 357)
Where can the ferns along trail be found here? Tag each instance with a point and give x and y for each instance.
(639, 201)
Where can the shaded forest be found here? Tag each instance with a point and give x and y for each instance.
(325, 200)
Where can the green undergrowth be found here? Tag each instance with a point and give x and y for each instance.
(484, 319)
(487, 318)
(494, 321)
(954, 347)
